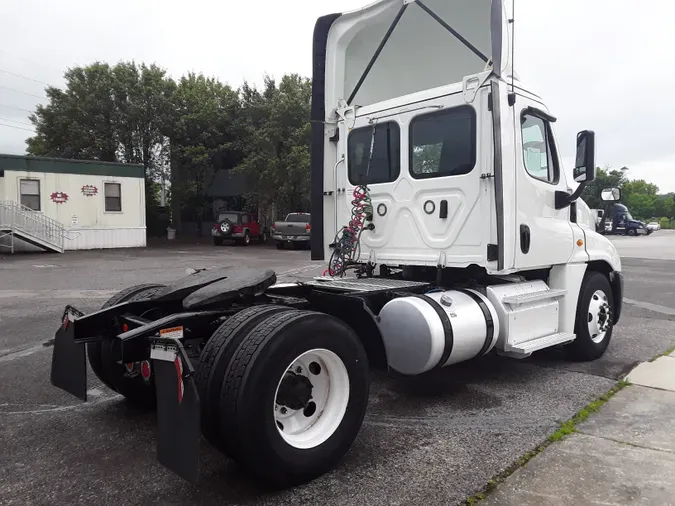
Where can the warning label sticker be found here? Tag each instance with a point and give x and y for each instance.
(172, 333)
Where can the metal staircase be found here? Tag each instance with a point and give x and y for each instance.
(33, 227)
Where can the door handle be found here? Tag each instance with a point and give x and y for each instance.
(443, 213)
(524, 238)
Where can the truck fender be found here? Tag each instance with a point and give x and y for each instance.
(355, 312)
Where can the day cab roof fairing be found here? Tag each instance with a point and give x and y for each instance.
(393, 48)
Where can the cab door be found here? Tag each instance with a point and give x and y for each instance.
(544, 234)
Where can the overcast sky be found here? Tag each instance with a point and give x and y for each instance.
(605, 65)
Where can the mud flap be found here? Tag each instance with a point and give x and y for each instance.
(178, 411)
(69, 363)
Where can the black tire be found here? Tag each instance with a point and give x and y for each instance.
(94, 349)
(218, 241)
(213, 362)
(280, 245)
(135, 390)
(246, 240)
(632, 232)
(249, 388)
(583, 348)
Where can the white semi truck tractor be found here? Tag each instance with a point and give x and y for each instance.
(449, 230)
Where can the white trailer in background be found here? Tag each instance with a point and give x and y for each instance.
(449, 228)
(57, 204)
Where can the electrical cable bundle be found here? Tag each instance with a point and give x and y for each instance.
(347, 242)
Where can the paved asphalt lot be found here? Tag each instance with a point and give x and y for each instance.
(428, 442)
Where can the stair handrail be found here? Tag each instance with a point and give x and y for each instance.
(25, 219)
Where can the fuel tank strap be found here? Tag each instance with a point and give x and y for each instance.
(489, 323)
(447, 328)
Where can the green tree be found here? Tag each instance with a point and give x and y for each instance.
(78, 122)
(605, 178)
(111, 114)
(205, 137)
(278, 133)
(640, 197)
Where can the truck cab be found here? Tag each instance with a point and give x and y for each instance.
(431, 156)
(623, 222)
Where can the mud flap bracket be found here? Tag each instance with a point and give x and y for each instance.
(178, 410)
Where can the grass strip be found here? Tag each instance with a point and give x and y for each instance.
(566, 428)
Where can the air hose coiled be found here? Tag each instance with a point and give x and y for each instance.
(347, 241)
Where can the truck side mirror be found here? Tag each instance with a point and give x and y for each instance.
(610, 194)
(584, 168)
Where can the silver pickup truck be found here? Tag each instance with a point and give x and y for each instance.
(294, 230)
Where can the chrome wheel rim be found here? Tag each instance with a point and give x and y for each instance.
(599, 316)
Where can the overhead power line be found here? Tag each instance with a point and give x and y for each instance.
(17, 108)
(26, 77)
(27, 60)
(15, 121)
(18, 128)
(23, 92)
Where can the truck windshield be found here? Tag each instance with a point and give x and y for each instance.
(297, 218)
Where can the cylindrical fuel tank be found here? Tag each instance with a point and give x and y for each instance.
(423, 332)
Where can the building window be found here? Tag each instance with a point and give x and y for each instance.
(385, 164)
(538, 149)
(443, 143)
(30, 193)
(113, 197)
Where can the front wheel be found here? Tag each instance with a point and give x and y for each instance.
(594, 324)
(297, 391)
(246, 240)
(632, 232)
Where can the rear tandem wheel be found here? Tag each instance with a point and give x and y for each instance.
(114, 375)
(293, 396)
(213, 362)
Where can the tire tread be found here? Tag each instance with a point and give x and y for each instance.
(216, 353)
(94, 349)
(245, 353)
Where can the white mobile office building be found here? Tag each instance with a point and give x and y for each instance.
(59, 204)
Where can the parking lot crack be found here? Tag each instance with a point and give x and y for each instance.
(619, 441)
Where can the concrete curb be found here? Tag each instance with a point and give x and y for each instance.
(624, 453)
(659, 374)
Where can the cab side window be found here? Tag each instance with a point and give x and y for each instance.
(539, 155)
